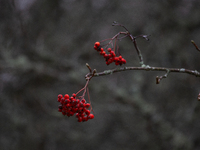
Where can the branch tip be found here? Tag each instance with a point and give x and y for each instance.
(89, 67)
(94, 71)
(157, 80)
(195, 45)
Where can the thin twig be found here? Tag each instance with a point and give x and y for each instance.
(133, 39)
(195, 45)
(159, 78)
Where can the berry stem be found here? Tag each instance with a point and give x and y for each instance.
(84, 88)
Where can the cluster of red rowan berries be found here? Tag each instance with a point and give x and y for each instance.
(72, 105)
(111, 57)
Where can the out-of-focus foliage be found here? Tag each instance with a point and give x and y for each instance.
(44, 45)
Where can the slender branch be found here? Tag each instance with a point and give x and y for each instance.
(195, 45)
(84, 88)
(148, 68)
(118, 24)
(133, 39)
(137, 49)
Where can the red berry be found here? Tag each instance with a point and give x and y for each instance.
(123, 60)
(80, 109)
(102, 53)
(80, 119)
(63, 113)
(105, 56)
(68, 105)
(112, 53)
(109, 49)
(71, 113)
(77, 105)
(87, 105)
(91, 116)
(66, 96)
(62, 100)
(60, 96)
(77, 115)
(97, 44)
(74, 95)
(67, 101)
(95, 47)
(83, 100)
(85, 118)
(87, 112)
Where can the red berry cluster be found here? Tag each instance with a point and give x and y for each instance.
(111, 57)
(72, 105)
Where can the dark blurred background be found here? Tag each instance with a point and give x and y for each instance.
(44, 46)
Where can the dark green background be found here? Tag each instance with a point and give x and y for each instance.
(44, 46)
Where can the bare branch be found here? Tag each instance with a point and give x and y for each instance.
(133, 39)
(148, 68)
(195, 45)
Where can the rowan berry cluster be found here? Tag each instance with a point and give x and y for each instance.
(111, 57)
(72, 105)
